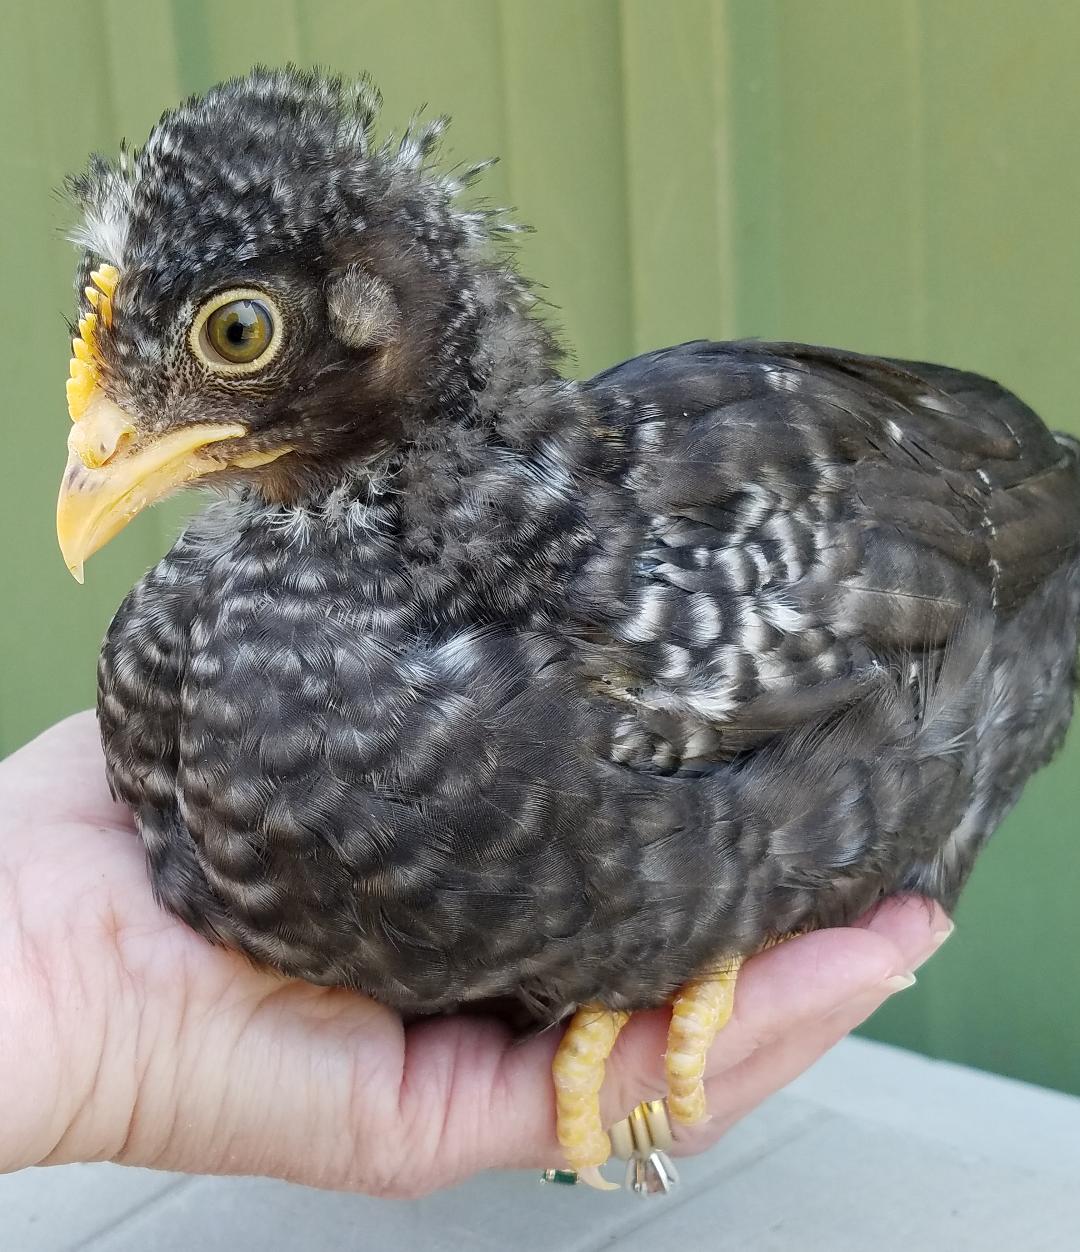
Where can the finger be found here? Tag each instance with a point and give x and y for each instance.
(916, 926)
(797, 982)
(733, 1094)
(913, 926)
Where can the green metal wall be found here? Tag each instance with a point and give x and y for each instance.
(899, 176)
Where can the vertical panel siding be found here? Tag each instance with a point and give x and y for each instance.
(566, 169)
(898, 178)
(679, 193)
(829, 141)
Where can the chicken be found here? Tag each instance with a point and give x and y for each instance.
(476, 681)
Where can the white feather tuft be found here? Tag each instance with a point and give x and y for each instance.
(104, 228)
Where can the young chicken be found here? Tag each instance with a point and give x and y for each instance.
(477, 681)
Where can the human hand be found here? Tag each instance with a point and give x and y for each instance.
(124, 1036)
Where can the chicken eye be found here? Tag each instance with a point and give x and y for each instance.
(237, 332)
(241, 331)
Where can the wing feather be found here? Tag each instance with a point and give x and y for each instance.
(811, 517)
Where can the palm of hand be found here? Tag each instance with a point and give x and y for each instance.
(135, 1040)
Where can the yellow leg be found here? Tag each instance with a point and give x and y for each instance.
(700, 1010)
(578, 1071)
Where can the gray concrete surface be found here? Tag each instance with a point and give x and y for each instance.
(875, 1150)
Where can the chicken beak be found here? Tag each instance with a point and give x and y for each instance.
(113, 473)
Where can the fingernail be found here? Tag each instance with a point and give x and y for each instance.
(899, 982)
(937, 938)
(941, 935)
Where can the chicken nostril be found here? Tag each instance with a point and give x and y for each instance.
(102, 432)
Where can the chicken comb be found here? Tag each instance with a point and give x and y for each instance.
(83, 369)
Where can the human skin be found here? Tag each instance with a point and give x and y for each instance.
(126, 1037)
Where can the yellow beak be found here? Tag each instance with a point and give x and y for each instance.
(113, 473)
